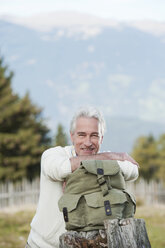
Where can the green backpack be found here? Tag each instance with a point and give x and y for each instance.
(95, 192)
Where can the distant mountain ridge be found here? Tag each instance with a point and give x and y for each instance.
(122, 133)
(121, 71)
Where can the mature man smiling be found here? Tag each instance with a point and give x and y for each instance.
(86, 137)
(86, 132)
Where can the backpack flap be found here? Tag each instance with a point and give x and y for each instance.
(96, 200)
(69, 201)
(108, 167)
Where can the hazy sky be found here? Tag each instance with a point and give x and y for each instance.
(145, 15)
(122, 10)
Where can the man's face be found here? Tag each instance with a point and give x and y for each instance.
(86, 137)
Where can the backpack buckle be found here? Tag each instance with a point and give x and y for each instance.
(101, 180)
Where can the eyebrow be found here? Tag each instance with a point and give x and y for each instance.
(97, 133)
(81, 132)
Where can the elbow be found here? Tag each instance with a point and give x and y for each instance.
(134, 174)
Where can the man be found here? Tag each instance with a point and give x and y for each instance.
(86, 132)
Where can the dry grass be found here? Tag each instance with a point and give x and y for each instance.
(15, 225)
(154, 217)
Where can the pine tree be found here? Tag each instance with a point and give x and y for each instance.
(23, 134)
(161, 158)
(60, 137)
(146, 153)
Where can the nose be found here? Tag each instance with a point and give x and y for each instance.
(87, 141)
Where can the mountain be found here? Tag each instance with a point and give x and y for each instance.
(119, 68)
(122, 133)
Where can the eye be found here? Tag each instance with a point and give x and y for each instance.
(95, 135)
(81, 134)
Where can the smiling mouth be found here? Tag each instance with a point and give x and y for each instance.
(87, 149)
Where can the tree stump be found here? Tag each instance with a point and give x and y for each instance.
(125, 233)
(92, 239)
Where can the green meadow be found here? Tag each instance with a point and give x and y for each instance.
(15, 226)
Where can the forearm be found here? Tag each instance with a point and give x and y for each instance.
(75, 161)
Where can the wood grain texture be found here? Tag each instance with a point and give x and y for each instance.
(125, 233)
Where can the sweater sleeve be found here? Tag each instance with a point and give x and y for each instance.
(130, 170)
(55, 163)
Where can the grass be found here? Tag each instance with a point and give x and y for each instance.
(155, 224)
(15, 226)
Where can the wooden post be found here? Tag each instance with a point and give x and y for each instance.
(125, 233)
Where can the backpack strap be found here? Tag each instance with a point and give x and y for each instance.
(101, 179)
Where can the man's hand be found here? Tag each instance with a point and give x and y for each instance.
(121, 156)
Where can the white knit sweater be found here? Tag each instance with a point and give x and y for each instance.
(48, 224)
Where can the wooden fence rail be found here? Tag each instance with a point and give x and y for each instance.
(19, 193)
(27, 193)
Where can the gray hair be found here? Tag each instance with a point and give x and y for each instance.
(88, 112)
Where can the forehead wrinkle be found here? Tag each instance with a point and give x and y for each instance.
(87, 125)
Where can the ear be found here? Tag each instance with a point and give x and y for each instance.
(71, 137)
(101, 140)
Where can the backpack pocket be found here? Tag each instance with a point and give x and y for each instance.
(88, 212)
(130, 209)
(99, 208)
(72, 207)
